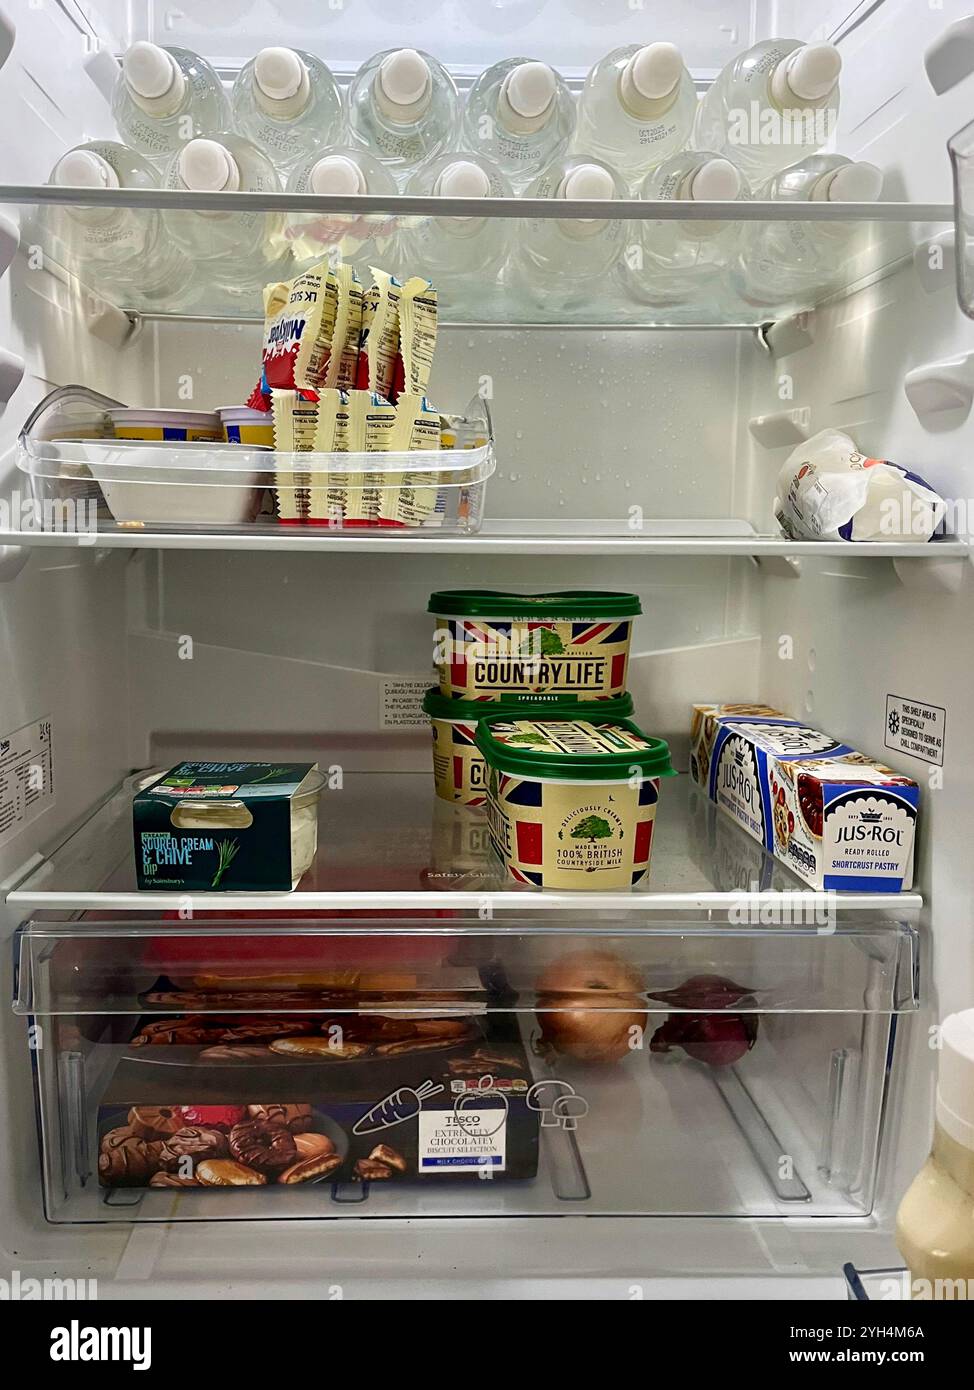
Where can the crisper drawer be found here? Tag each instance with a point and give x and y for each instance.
(317, 1067)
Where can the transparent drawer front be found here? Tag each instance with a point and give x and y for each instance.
(389, 1069)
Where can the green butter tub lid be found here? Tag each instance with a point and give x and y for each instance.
(572, 603)
(539, 743)
(524, 706)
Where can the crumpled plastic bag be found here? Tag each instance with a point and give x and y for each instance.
(829, 491)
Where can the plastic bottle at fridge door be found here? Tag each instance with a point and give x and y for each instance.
(119, 252)
(166, 96)
(636, 108)
(560, 261)
(683, 262)
(238, 249)
(287, 102)
(785, 260)
(520, 114)
(463, 256)
(312, 236)
(772, 105)
(403, 108)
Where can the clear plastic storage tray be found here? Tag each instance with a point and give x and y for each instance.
(84, 481)
(675, 1070)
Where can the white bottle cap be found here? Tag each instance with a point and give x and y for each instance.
(336, 173)
(717, 180)
(655, 70)
(279, 73)
(151, 72)
(855, 183)
(588, 181)
(529, 89)
(810, 73)
(955, 1083)
(462, 179)
(404, 77)
(84, 169)
(206, 166)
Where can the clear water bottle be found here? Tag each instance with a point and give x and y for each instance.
(314, 236)
(562, 261)
(679, 261)
(236, 250)
(121, 253)
(771, 106)
(287, 102)
(166, 96)
(636, 109)
(520, 114)
(464, 255)
(404, 109)
(796, 261)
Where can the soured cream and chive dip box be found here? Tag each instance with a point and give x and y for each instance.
(225, 827)
(572, 802)
(565, 646)
(838, 819)
(459, 770)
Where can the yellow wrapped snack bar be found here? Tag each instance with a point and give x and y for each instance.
(326, 497)
(420, 501)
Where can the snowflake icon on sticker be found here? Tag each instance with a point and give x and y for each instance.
(894, 722)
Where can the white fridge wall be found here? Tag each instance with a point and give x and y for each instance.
(468, 34)
(857, 633)
(94, 645)
(62, 649)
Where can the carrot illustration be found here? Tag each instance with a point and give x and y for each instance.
(401, 1105)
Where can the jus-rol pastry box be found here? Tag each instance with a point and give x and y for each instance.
(394, 1100)
(836, 817)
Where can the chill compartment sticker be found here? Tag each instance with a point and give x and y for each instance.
(916, 727)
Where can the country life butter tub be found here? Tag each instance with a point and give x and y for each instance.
(571, 803)
(564, 646)
(459, 770)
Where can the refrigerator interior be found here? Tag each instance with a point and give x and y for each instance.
(141, 655)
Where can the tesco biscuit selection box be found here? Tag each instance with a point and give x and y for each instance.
(204, 1101)
(838, 819)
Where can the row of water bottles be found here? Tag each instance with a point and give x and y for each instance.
(637, 107)
(637, 115)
